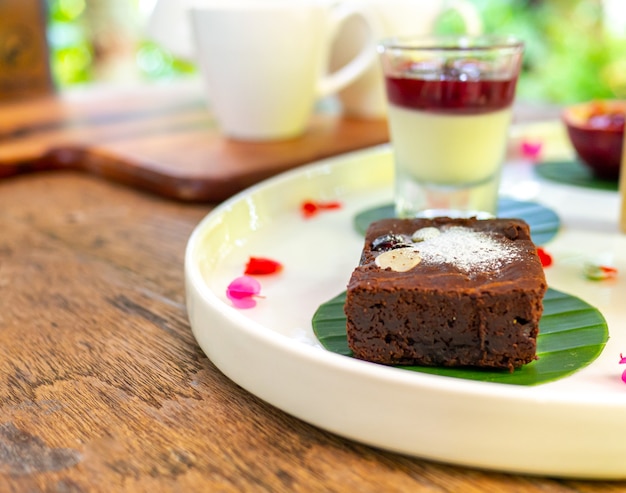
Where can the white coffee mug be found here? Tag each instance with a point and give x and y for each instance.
(365, 97)
(264, 62)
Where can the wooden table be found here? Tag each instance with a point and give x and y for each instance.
(103, 387)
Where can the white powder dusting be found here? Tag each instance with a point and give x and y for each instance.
(467, 249)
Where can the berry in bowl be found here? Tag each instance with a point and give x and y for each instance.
(596, 131)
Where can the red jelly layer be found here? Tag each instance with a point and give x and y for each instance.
(451, 96)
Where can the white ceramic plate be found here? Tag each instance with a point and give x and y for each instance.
(574, 427)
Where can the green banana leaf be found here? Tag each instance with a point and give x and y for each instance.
(572, 334)
(573, 173)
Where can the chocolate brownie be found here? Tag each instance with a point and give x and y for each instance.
(446, 292)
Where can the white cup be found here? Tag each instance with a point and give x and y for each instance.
(450, 106)
(366, 97)
(264, 62)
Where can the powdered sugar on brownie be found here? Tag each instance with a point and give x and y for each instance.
(468, 250)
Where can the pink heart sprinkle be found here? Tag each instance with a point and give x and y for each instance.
(531, 150)
(242, 290)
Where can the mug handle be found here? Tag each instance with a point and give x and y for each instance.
(470, 15)
(362, 61)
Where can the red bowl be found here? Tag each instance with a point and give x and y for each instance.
(596, 131)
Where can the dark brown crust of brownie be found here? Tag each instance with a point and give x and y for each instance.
(439, 315)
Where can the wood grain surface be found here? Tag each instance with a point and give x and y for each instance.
(102, 385)
(105, 389)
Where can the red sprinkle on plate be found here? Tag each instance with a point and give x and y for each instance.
(310, 208)
(260, 266)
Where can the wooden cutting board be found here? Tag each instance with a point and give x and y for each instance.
(163, 139)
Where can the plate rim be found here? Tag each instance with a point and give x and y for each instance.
(197, 288)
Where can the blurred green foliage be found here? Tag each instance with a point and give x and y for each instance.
(71, 55)
(74, 54)
(570, 55)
